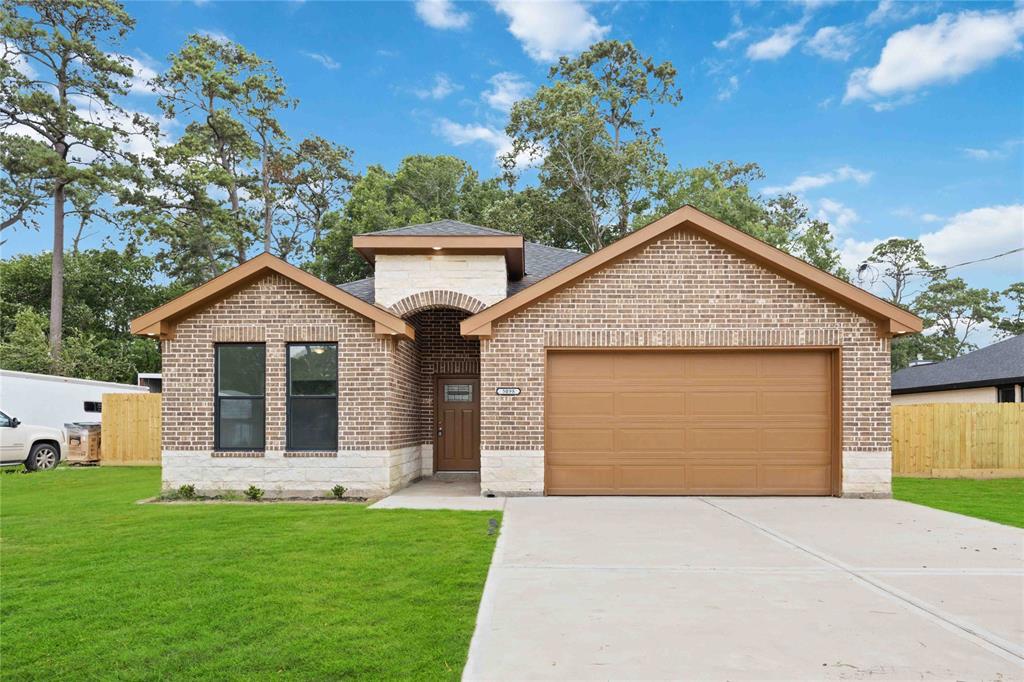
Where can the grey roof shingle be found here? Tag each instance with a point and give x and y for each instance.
(451, 228)
(1000, 363)
(541, 260)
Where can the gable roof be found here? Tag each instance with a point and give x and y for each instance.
(891, 319)
(541, 261)
(446, 227)
(1000, 363)
(161, 321)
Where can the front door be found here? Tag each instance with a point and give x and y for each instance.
(457, 424)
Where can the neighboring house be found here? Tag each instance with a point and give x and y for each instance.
(686, 358)
(994, 374)
(54, 401)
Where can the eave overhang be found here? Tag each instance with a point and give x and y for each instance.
(891, 320)
(511, 246)
(161, 322)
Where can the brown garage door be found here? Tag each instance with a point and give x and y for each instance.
(720, 422)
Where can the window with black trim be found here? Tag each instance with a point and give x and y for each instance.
(92, 406)
(312, 396)
(240, 396)
(1006, 394)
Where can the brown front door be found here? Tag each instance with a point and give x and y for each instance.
(690, 423)
(457, 424)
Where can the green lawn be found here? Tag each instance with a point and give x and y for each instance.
(93, 585)
(1000, 500)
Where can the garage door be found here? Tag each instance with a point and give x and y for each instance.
(656, 423)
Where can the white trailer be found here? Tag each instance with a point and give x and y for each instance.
(44, 400)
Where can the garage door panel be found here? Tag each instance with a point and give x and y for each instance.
(653, 404)
(699, 422)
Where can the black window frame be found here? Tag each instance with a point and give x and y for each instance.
(1006, 387)
(217, 398)
(92, 406)
(288, 397)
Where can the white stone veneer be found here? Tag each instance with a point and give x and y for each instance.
(365, 473)
(482, 277)
(867, 474)
(512, 472)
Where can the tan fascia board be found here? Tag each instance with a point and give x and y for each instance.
(734, 239)
(511, 246)
(161, 321)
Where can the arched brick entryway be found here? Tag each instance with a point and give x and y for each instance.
(437, 298)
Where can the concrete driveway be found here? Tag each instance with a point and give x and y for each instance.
(749, 588)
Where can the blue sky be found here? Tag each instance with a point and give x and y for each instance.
(886, 118)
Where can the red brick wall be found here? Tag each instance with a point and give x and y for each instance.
(277, 311)
(679, 291)
(442, 351)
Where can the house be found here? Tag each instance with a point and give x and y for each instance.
(686, 358)
(994, 374)
(46, 400)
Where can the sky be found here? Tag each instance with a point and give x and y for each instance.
(886, 118)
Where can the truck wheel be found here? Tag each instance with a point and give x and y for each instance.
(43, 456)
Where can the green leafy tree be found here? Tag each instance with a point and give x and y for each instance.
(323, 179)
(723, 190)
(589, 130)
(1012, 323)
(25, 348)
(897, 263)
(953, 311)
(62, 128)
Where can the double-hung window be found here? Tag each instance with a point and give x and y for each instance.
(240, 396)
(312, 396)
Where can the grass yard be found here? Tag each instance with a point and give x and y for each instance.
(1000, 499)
(96, 586)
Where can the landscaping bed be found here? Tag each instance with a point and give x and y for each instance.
(998, 499)
(97, 586)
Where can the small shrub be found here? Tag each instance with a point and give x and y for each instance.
(230, 496)
(187, 492)
(338, 491)
(254, 493)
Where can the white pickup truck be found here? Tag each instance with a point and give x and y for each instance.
(37, 447)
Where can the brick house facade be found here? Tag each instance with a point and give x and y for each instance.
(687, 283)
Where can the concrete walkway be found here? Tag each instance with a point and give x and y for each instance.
(456, 492)
(749, 588)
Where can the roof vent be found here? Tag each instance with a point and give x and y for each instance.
(920, 362)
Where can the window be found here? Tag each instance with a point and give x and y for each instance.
(240, 410)
(458, 393)
(312, 396)
(5, 421)
(1006, 394)
(92, 406)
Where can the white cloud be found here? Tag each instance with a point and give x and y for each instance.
(548, 30)
(838, 215)
(931, 218)
(882, 12)
(971, 235)
(992, 154)
(730, 88)
(736, 36)
(943, 51)
(325, 61)
(832, 42)
(214, 34)
(778, 44)
(506, 89)
(19, 62)
(441, 14)
(460, 134)
(890, 10)
(804, 183)
(441, 88)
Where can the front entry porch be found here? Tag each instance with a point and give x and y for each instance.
(442, 491)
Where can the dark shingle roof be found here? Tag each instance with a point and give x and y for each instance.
(1000, 363)
(541, 260)
(451, 228)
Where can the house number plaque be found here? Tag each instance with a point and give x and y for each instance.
(507, 390)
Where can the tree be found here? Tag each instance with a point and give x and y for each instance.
(954, 311)
(897, 263)
(593, 145)
(323, 179)
(422, 189)
(61, 125)
(1012, 323)
(723, 191)
(25, 348)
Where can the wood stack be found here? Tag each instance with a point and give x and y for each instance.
(83, 443)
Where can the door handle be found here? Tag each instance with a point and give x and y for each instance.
(440, 431)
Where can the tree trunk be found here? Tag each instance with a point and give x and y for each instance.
(57, 273)
(268, 208)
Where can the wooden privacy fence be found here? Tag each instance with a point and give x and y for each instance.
(953, 440)
(131, 428)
